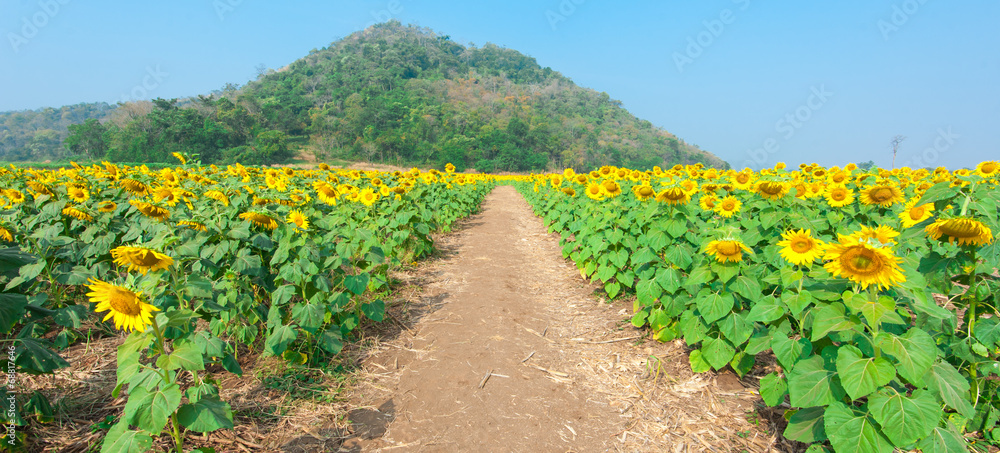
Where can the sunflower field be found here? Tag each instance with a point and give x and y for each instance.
(194, 260)
(875, 291)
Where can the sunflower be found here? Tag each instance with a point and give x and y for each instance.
(967, 231)
(107, 206)
(77, 193)
(801, 190)
(327, 193)
(743, 180)
(217, 196)
(180, 157)
(15, 196)
(39, 188)
(74, 211)
(988, 169)
(129, 310)
(880, 233)
(594, 191)
(6, 235)
(260, 219)
(610, 188)
(728, 206)
(644, 191)
(169, 177)
(193, 225)
(449, 168)
(134, 187)
(368, 196)
(771, 190)
(166, 194)
(800, 248)
(569, 191)
(727, 250)
(708, 202)
(882, 194)
(838, 196)
(863, 263)
(581, 179)
(299, 219)
(914, 214)
(674, 196)
(840, 177)
(140, 258)
(151, 210)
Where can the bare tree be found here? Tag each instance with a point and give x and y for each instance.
(895, 147)
(261, 70)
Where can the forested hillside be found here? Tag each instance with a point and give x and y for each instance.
(402, 95)
(38, 135)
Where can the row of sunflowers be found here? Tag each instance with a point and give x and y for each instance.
(194, 260)
(876, 292)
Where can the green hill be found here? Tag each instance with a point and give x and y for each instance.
(401, 95)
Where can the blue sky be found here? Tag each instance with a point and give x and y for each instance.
(751, 81)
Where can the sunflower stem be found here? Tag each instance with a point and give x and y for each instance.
(178, 440)
(965, 204)
(974, 299)
(161, 344)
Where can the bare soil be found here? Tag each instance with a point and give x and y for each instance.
(507, 348)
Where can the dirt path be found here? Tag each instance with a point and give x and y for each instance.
(504, 301)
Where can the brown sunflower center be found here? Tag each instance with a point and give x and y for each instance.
(728, 248)
(860, 260)
(959, 228)
(989, 167)
(645, 191)
(770, 188)
(729, 205)
(838, 194)
(802, 245)
(742, 178)
(881, 194)
(145, 258)
(674, 194)
(124, 301)
(917, 212)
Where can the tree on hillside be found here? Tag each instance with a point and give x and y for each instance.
(87, 139)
